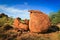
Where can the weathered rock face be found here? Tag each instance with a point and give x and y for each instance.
(16, 23)
(23, 26)
(26, 21)
(39, 22)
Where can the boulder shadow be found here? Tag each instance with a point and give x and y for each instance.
(51, 29)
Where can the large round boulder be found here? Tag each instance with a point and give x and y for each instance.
(39, 22)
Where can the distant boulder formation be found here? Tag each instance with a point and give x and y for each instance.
(20, 25)
(16, 23)
(39, 22)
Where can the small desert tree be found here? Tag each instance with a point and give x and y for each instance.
(55, 17)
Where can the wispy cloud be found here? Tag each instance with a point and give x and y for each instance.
(11, 11)
(25, 5)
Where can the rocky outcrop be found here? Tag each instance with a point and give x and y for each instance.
(39, 22)
(16, 23)
(19, 25)
(23, 26)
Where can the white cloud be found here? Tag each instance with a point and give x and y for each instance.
(12, 10)
(15, 12)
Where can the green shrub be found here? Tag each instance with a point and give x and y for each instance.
(3, 20)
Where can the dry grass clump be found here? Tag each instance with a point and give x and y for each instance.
(7, 32)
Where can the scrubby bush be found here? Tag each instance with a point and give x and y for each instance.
(10, 21)
(5, 19)
(55, 17)
(7, 27)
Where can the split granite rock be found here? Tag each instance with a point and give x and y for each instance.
(39, 22)
(19, 25)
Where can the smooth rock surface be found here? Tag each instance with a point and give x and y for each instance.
(39, 22)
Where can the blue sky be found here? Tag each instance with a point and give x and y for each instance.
(19, 8)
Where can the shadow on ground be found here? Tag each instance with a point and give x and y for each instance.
(51, 29)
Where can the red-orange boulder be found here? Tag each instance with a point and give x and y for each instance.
(23, 26)
(20, 25)
(39, 22)
(26, 21)
(16, 23)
